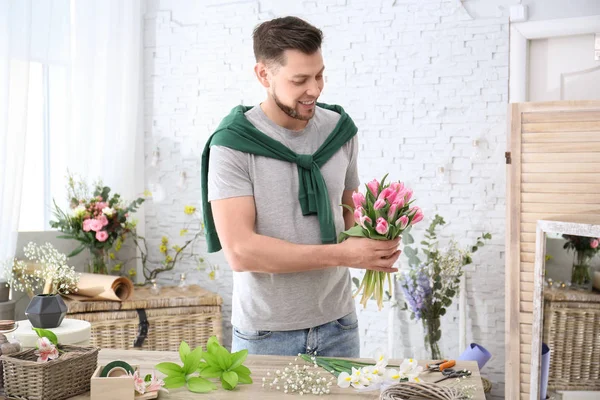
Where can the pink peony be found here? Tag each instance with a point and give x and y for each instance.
(87, 225)
(46, 350)
(402, 222)
(102, 218)
(96, 225)
(101, 236)
(373, 187)
(382, 226)
(358, 199)
(594, 243)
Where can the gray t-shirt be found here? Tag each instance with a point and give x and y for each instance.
(287, 301)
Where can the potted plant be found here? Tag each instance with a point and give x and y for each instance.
(584, 250)
(45, 268)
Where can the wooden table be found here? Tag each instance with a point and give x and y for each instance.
(260, 365)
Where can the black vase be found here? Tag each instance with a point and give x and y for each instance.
(46, 311)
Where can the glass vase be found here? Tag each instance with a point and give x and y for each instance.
(98, 263)
(433, 334)
(581, 272)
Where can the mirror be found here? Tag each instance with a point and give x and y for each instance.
(565, 343)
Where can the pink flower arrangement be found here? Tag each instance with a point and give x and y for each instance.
(383, 212)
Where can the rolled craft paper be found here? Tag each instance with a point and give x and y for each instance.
(545, 370)
(102, 287)
(477, 353)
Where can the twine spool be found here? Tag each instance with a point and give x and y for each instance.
(411, 390)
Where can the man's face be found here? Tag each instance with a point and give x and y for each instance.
(296, 86)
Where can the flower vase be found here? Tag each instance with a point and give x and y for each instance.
(581, 272)
(98, 263)
(433, 334)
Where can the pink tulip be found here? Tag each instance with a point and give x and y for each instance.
(364, 220)
(397, 186)
(46, 350)
(408, 195)
(87, 225)
(418, 216)
(385, 193)
(102, 236)
(412, 211)
(594, 243)
(399, 201)
(358, 199)
(373, 187)
(382, 226)
(402, 222)
(392, 211)
(358, 212)
(379, 204)
(96, 225)
(103, 220)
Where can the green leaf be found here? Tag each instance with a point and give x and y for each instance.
(202, 365)
(231, 378)
(170, 369)
(184, 350)
(355, 231)
(356, 281)
(76, 251)
(244, 379)
(200, 385)
(212, 345)
(174, 382)
(242, 370)
(192, 361)
(409, 251)
(223, 358)
(407, 238)
(487, 236)
(211, 359)
(238, 359)
(211, 371)
(47, 334)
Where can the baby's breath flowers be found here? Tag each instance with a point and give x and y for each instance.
(301, 379)
(50, 270)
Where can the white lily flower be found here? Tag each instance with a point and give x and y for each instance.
(358, 379)
(408, 365)
(380, 358)
(344, 380)
(392, 375)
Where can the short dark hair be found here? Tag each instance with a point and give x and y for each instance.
(272, 38)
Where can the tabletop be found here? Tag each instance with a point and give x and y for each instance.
(260, 366)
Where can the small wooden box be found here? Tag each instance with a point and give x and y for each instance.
(120, 388)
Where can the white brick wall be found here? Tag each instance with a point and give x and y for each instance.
(421, 80)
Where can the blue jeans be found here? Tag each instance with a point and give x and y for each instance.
(337, 338)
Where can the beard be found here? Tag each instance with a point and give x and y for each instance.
(292, 111)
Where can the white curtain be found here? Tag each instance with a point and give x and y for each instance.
(104, 132)
(15, 40)
(93, 51)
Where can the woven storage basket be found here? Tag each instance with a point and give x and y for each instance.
(67, 376)
(572, 331)
(193, 315)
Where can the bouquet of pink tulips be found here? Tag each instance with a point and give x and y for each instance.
(382, 213)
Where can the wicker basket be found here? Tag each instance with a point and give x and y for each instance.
(173, 316)
(572, 331)
(67, 376)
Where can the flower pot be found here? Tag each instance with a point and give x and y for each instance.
(46, 311)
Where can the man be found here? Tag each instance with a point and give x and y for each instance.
(277, 173)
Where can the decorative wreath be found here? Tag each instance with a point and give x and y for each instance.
(412, 390)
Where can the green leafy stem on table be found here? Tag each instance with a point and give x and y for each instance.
(215, 363)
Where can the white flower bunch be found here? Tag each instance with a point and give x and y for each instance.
(372, 376)
(303, 379)
(53, 271)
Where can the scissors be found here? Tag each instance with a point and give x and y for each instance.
(451, 373)
(440, 366)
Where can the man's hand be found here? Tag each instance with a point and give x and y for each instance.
(377, 255)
